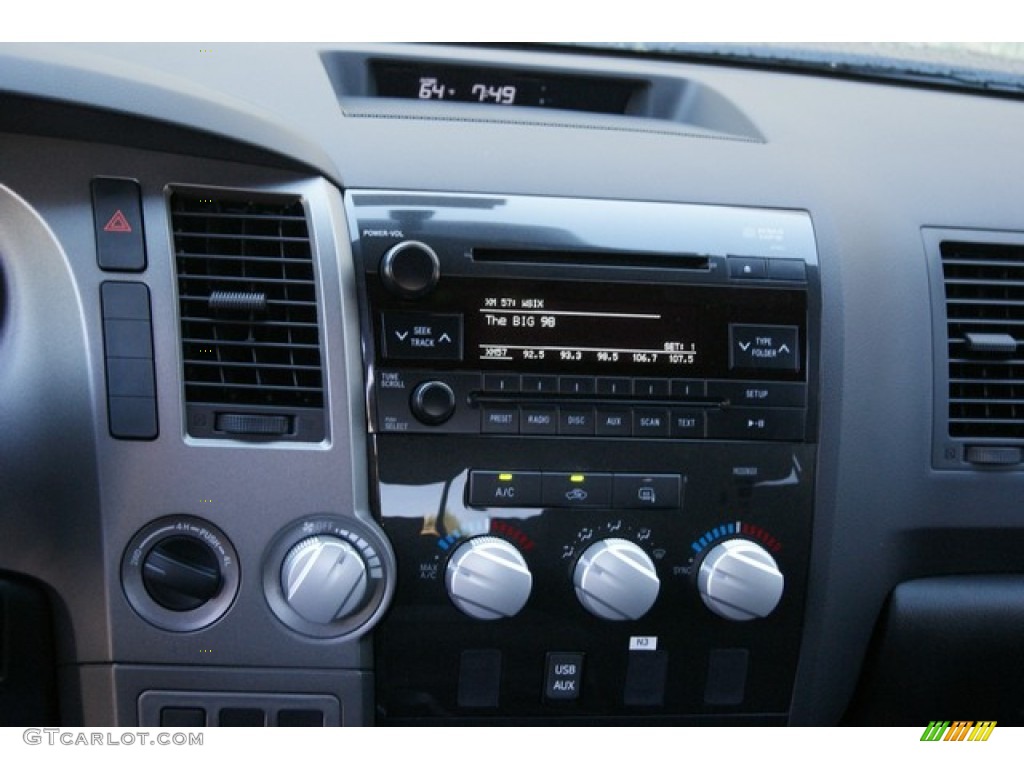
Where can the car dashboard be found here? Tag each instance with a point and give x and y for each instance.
(476, 385)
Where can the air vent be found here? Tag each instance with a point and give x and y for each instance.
(984, 285)
(250, 335)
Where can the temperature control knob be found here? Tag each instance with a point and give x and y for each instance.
(616, 580)
(410, 269)
(739, 580)
(487, 578)
(324, 579)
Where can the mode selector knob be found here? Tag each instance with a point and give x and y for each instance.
(487, 578)
(616, 580)
(324, 579)
(410, 269)
(739, 580)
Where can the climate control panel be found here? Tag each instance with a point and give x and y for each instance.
(664, 602)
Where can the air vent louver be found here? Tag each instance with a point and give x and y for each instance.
(249, 324)
(985, 323)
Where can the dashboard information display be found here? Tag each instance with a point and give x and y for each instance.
(502, 87)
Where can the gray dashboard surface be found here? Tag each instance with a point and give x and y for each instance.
(872, 164)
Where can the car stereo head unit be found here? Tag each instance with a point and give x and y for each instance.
(566, 317)
(592, 447)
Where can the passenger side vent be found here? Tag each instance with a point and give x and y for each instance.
(984, 286)
(250, 336)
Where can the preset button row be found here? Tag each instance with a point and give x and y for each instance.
(773, 394)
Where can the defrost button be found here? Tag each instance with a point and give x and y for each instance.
(635, 491)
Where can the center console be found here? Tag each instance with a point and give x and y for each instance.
(592, 439)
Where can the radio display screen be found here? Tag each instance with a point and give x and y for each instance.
(626, 329)
(538, 330)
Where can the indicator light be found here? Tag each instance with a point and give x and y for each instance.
(505, 476)
(576, 478)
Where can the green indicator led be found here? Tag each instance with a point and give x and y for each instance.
(505, 476)
(576, 478)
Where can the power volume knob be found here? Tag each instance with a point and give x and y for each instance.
(324, 579)
(410, 269)
(487, 578)
(616, 580)
(739, 580)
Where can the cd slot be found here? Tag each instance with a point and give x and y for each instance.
(687, 261)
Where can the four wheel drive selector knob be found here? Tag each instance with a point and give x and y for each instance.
(487, 578)
(616, 580)
(324, 579)
(739, 580)
(181, 573)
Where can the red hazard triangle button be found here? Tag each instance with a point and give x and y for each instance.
(117, 223)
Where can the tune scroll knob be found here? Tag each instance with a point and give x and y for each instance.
(410, 269)
(432, 402)
(616, 580)
(487, 578)
(324, 579)
(739, 580)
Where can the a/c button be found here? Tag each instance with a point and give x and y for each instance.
(504, 489)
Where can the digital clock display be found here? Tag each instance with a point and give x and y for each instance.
(502, 87)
